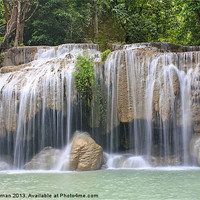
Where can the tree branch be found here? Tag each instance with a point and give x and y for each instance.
(198, 16)
(31, 13)
(25, 9)
(3, 24)
(6, 10)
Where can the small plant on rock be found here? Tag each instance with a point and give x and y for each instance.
(105, 54)
(84, 77)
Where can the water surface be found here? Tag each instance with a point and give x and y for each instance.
(147, 184)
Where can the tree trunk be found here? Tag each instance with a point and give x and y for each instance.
(18, 23)
(6, 10)
(96, 30)
(21, 36)
(15, 25)
(11, 27)
(198, 16)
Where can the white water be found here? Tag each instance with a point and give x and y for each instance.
(37, 101)
(63, 163)
(148, 110)
(126, 162)
(158, 88)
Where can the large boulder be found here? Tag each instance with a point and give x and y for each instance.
(4, 166)
(85, 153)
(46, 159)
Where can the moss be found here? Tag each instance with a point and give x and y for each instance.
(105, 54)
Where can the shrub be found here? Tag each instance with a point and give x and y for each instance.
(84, 77)
(105, 54)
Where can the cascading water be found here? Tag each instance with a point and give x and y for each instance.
(151, 92)
(145, 105)
(37, 102)
(126, 161)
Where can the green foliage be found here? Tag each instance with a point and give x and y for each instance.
(1, 40)
(105, 54)
(144, 20)
(2, 21)
(84, 77)
(2, 11)
(187, 33)
(119, 21)
(110, 29)
(57, 22)
(1, 59)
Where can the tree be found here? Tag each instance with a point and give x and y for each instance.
(188, 32)
(96, 26)
(52, 22)
(57, 22)
(18, 26)
(2, 21)
(22, 10)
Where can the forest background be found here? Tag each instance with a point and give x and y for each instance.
(54, 22)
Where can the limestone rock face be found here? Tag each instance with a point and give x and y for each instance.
(195, 101)
(159, 46)
(85, 153)
(195, 147)
(125, 98)
(19, 55)
(45, 159)
(136, 70)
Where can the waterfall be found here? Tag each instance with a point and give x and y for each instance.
(37, 102)
(151, 94)
(144, 111)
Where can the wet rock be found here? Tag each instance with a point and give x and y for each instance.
(69, 56)
(105, 159)
(19, 55)
(45, 159)
(158, 46)
(4, 166)
(195, 147)
(85, 153)
(170, 160)
(9, 69)
(6, 162)
(125, 98)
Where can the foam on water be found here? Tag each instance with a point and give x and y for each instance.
(126, 162)
(64, 159)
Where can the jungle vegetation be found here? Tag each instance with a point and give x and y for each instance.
(53, 22)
